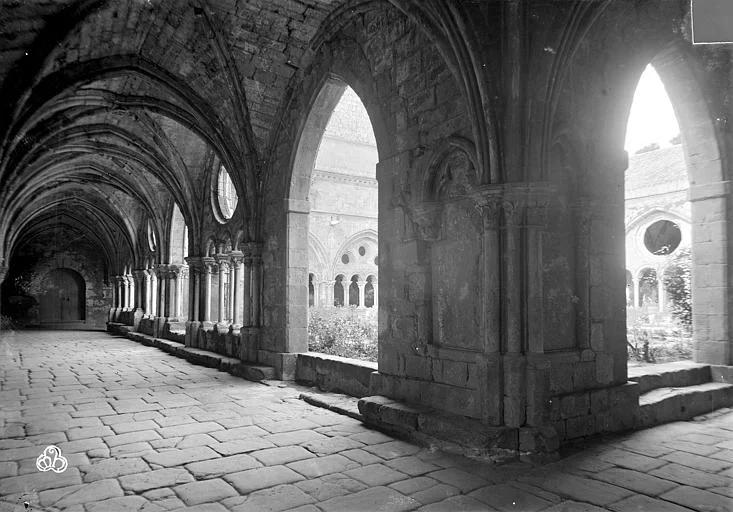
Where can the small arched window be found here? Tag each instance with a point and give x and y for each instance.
(226, 194)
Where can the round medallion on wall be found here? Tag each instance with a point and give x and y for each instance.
(662, 237)
(226, 198)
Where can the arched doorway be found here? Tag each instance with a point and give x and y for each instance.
(63, 298)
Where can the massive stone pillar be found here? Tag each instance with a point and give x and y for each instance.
(257, 287)
(375, 287)
(247, 291)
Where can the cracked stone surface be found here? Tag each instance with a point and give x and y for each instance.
(145, 431)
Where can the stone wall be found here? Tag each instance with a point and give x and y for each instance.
(30, 266)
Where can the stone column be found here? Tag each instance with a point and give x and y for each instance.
(146, 291)
(232, 291)
(247, 292)
(375, 286)
(223, 263)
(238, 270)
(209, 264)
(174, 277)
(153, 296)
(3, 274)
(635, 285)
(361, 284)
(162, 285)
(346, 284)
(195, 267)
(514, 363)
(130, 293)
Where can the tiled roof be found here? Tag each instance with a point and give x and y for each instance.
(656, 172)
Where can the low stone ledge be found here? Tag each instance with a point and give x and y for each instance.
(452, 433)
(334, 373)
(338, 403)
(206, 358)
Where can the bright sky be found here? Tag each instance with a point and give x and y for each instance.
(652, 118)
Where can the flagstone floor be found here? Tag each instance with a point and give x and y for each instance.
(141, 430)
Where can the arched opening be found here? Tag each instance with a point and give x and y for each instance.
(670, 198)
(335, 172)
(369, 292)
(64, 297)
(311, 291)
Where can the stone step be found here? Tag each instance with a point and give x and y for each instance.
(336, 402)
(666, 404)
(669, 375)
(201, 357)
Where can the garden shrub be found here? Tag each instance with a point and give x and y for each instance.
(345, 332)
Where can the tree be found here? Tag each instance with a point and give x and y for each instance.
(677, 282)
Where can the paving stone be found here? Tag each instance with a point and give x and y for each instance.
(698, 499)
(635, 481)
(88, 493)
(131, 450)
(464, 481)
(696, 461)
(177, 457)
(9, 468)
(283, 455)
(134, 426)
(81, 445)
(288, 426)
(205, 492)
(413, 485)
(133, 405)
(507, 498)
(687, 446)
(642, 503)
(455, 504)
(630, 460)
(699, 438)
(331, 445)
(574, 506)
(275, 499)
(167, 477)
(87, 432)
(196, 440)
(131, 437)
(330, 486)
(578, 488)
(261, 478)
(206, 507)
(362, 457)
(238, 433)
(434, 494)
(411, 466)
(113, 468)
(371, 437)
(376, 498)
(375, 474)
(393, 449)
(221, 466)
(646, 447)
(242, 446)
(39, 481)
(299, 437)
(74, 460)
(315, 467)
(689, 476)
(188, 429)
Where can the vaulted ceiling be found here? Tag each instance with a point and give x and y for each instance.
(114, 110)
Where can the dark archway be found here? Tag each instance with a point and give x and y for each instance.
(63, 298)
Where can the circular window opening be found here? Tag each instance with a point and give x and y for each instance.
(362, 251)
(226, 194)
(152, 242)
(345, 259)
(662, 237)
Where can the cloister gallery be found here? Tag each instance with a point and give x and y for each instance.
(168, 172)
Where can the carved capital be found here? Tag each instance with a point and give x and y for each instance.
(209, 264)
(195, 263)
(512, 212)
(252, 249)
(236, 257)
